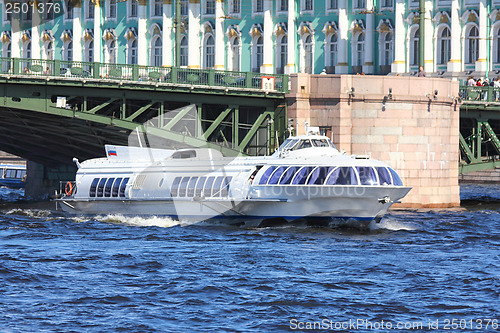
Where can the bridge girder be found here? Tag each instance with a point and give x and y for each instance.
(102, 112)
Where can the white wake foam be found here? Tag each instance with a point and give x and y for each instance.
(152, 221)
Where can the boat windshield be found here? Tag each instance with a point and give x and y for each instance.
(296, 144)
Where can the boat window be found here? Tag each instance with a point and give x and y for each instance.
(266, 174)
(284, 144)
(301, 175)
(291, 143)
(217, 185)
(207, 190)
(224, 192)
(318, 176)
(20, 173)
(123, 186)
(367, 176)
(383, 176)
(191, 186)
(116, 186)
(303, 144)
(395, 178)
(275, 177)
(286, 178)
(10, 173)
(93, 187)
(183, 187)
(174, 190)
(184, 154)
(199, 186)
(107, 188)
(320, 143)
(342, 176)
(100, 187)
(331, 144)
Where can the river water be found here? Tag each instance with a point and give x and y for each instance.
(425, 270)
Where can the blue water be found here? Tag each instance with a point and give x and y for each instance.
(113, 274)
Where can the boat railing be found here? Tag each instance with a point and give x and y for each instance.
(67, 188)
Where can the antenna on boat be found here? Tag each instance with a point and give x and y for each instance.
(75, 160)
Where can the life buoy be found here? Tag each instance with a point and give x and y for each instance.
(68, 189)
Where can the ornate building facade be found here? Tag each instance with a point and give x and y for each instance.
(281, 36)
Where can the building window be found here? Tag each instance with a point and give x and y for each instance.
(259, 6)
(332, 4)
(235, 54)
(359, 47)
(69, 9)
(133, 8)
(157, 52)
(308, 55)
(89, 51)
(49, 50)
(387, 49)
(68, 51)
(497, 40)
(132, 52)
(210, 7)
(258, 54)
(472, 44)
(90, 9)
(283, 5)
(184, 7)
(414, 48)
(386, 3)
(209, 52)
(307, 5)
(112, 52)
(158, 8)
(359, 4)
(444, 45)
(27, 50)
(332, 48)
(184, 51)
(49, 13)
(27, 15)
(235, 6)
(282, 55)
(112, 9)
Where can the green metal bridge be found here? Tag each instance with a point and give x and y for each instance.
(479, 126)
(55, 110)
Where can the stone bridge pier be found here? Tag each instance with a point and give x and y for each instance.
(412, 123)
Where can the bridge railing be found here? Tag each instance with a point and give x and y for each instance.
(138, 73)
(479, 94)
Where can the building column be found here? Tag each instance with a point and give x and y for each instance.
(15, 36)
(219, 35)
(455, 64)
(77, 32)
(194, 58)
(142, 29)
(267, 65)
(97, 32)
(168, 44)
(369, 38)
(429, 37)
(342, 66)
(35, 35)
(292, 34)
(481, 64)
(399, 63)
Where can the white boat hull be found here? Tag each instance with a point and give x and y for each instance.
(350, 206)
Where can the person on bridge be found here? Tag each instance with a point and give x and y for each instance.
(421, 72)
